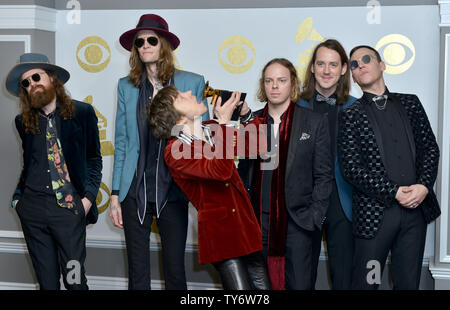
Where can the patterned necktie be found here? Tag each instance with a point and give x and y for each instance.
(58, 169)
(329, 100)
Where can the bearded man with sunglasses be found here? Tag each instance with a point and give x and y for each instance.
(388, 152)
(142, 187)
(62, 170)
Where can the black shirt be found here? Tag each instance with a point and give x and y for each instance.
(331, 111)
(38, 177)
(272, 147)
(394, 125)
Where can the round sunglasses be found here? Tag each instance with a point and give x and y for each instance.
(35, 77)
(355, 63)
(139, 42)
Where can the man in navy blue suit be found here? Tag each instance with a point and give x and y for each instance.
(326, 90)
(62, 171)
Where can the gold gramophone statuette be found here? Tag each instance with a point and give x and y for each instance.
(225, 95)
(211, 92)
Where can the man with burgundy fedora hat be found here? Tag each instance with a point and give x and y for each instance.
(142, 187)
(62, 169)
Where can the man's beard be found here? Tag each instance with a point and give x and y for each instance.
(42, 98)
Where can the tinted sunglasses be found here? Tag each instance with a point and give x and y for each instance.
(355, 63)
(139, 42)
(35, 77)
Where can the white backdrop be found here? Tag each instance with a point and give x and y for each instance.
(230, 47)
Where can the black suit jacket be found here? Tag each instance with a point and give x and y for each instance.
(81, 149)
(308, 179)
(361, 156)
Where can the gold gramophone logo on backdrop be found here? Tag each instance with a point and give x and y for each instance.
(93, 54)
(106, 149)
(237, 54)
(397, 51)
(306, 34)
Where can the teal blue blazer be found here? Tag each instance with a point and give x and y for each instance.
(345, 190)
(126, 141)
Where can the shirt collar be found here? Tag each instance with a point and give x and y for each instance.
(188, 138)
(369, 96)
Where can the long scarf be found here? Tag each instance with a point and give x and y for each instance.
(145, 93)
(278, 217)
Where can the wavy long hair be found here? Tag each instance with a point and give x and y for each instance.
(30, 115)
(165, 63)
(343, 86)
(295, 89)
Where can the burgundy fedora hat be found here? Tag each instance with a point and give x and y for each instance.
(149, 22)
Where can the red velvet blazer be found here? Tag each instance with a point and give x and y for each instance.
(227, 225)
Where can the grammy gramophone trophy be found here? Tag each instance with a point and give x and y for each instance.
(225, 95)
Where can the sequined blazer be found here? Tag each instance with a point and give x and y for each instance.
(361, 157)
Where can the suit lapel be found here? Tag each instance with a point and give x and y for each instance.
(298, 122)
(376, 131)
(408, 125)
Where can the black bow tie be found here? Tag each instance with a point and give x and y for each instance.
(329, 100)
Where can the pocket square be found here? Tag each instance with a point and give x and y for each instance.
(305, 136)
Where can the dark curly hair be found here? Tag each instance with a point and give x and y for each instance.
(161, 114)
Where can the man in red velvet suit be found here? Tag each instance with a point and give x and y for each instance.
(203, 166)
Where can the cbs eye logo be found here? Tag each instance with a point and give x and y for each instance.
(398, 53)
(103, 198)
(93, 54)
(239, 53)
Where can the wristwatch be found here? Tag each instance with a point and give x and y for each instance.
(13, 203)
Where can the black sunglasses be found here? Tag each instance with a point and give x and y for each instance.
(355, 64)
(35, 77)
(139, 42)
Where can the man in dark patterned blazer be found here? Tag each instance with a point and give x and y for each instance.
(388, 152)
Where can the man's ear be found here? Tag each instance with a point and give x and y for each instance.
(344, 69)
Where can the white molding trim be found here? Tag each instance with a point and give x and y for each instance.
(19, 246)
(18, 286)
(439, 273)
(444, 256)
(444, 12)
(110, 284)
(27, 17)
(26, 39)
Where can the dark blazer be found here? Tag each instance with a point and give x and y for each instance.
(362, 159)
(308, 180)
(81, 149)
(345, 190)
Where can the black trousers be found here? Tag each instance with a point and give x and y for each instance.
(302, 254)
(56, 240)
(339, 241)
(172, 226)
(246, 272)
(403, 232)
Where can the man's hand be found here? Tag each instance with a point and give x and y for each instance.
(87, 204)
(245, 109)
(223, 112)
(115, 211)
(411, 196)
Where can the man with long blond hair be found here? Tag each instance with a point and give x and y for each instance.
(142, 187)
(290, 197)
(62, 171)
(326, 91)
